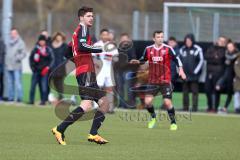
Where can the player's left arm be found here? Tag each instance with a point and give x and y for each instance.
(82, 42)
(143, 59)
(178, 62)
(199, 53)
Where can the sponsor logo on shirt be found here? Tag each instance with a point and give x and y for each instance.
(157, 59)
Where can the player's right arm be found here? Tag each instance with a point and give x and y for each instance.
(142, 59)
(82, 42)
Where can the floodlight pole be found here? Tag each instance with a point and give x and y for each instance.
(6, 20)
(6, 28)
(165, 21)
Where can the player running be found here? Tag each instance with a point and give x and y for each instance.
(159, 56)
(86, 77)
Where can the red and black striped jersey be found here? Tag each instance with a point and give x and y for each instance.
(159, 60)
(82, 48)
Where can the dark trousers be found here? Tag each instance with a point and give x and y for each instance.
(120, 89)
(229, 91)
(58, 83)
(124, 81)
(193, 88)
(42, 81)
(213, 96)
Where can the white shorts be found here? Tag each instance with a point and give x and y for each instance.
(105, 80)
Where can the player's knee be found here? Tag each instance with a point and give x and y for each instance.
(86, 105)
(103, 104)
(148, 101)
(167, 103)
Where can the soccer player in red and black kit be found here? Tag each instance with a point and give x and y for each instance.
(82, 48)
(159, 56)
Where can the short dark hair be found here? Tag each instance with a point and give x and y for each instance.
(157, 32)
(104, 30)
(172, 39)
(83, 10)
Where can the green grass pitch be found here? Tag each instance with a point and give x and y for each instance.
(25, 135)
(177, 97)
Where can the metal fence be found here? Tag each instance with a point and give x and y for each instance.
(205, 24)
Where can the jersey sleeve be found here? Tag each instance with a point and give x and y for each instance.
(201, 60)
(82, 42)
(144, 57)
(175, 57)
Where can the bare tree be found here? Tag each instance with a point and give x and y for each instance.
(40, 14)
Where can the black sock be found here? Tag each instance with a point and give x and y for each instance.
(97, 122)
(171, 114)
(73, 117)
(151, 111)
(142, 101)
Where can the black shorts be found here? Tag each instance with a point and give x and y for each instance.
(165, 89)
(88, 87)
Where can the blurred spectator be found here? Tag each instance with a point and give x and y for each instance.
(215, 57)
(13, 63)
(125, 71)
(112, 35)
(237, 85)
(49, 43)
(192, 58)
(41, 61)
(173, 43)
(2, 56)
(105, 77)
(226, 81)
(59, 48)
(46, 34)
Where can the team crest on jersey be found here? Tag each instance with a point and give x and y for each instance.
(163, 52)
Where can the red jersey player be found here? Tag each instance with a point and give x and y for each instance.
(82, 48)
(159, 57)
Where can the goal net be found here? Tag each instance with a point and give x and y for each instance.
(205, 20)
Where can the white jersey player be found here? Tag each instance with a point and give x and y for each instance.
(105, 74)
(105, 77)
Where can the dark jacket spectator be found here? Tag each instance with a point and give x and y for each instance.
(126, 50)
(59, 48)
(125, 72)
(226, 81)
(230, 57)
(215, 57)
(41, 61)
(192, 59)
